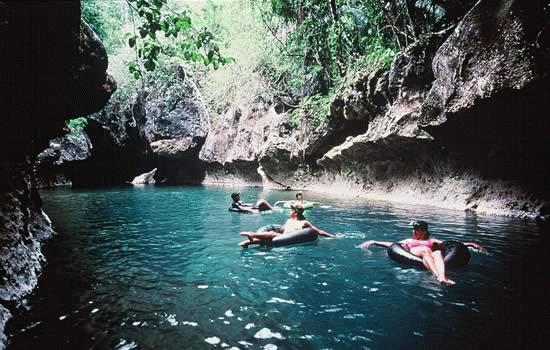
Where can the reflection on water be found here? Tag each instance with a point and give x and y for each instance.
(160, 268)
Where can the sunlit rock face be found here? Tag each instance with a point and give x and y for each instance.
(145, 178)
(373, 120)
(230, 153)
(394, 134)
(459, 120)
(52, 68)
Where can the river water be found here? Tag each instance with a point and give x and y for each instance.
(160, 268)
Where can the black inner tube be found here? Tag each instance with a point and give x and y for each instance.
(455, 254)
(274, 227)
(237, 210)
(296, 237)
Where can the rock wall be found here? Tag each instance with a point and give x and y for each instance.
(52, 68)
(174, 123)
(55, 164)
(162, 124)
(232, 145)
(460, 120)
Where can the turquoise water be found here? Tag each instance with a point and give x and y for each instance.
(160, 268)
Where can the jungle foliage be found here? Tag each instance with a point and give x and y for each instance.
(295, 52)
(324, 39)
(150, 19)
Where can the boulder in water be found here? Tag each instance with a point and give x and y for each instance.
(145, 178)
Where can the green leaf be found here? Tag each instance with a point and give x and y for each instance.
(158, 4)
(132, 41)
(155, 26)
(132, 66)
(164, 25)
(183, 24)
(149, 65)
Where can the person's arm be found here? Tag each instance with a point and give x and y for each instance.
(474, 245)
(324, 234)
(378, 243)
(318, 230)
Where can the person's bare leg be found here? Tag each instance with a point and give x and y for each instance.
(263, 205)
(427, 259)
(427, 266)
(257, 237)
(264, 235)
(429, 262)
(245, 244)
(440, 267)
(248, 234)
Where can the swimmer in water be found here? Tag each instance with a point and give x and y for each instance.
(297, 221)
(423, 246)
(298, 201)
(261, 205)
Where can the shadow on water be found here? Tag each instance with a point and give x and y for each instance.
(159, 267)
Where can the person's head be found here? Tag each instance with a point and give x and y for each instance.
(297, 211)
(236, 196)
(420, 230)
(300, 196)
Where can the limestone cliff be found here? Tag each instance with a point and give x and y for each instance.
(52, 68)
(477, 136)
(459, 120)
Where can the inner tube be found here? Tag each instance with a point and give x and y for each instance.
(237, 210)
(296, 237)
(276, 228)
(306, 204)
(455, 254)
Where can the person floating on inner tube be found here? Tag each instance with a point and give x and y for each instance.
(261, 205)
(299, 201)
(296, 222)
(422, 246)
